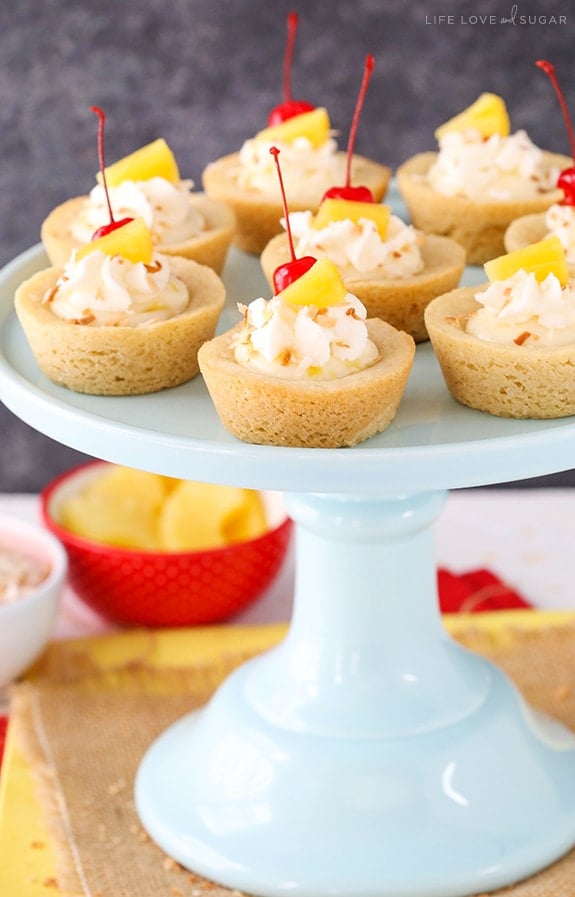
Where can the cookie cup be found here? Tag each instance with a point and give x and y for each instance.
(208, 248)
(479, 226)
(266, 410)
(117, 361)
(503, 380)
(399, 301)
(258, 215)
(524, 231)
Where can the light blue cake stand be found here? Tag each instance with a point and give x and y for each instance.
(369, 754)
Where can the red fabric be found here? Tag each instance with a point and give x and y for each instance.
(3, 727)
(475, 591)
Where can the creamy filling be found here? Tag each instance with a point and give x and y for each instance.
(499, 168)
(357, 248)
(19, 575)
(165, 207)
(304, 342)
(523, 311)
(560, 220)
(102, 290)
(306, 170)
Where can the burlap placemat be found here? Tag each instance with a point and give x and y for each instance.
(84, 731)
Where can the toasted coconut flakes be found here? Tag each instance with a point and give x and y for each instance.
(457, 321)
(329, 322)
(170, 865)
(87, 318)
(49, 296)
(243, 310)
(116, 787)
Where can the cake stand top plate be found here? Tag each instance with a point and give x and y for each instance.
(433, 443)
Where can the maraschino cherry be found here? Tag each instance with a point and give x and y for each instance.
(290, 107)
(354, 194)
(566, 180)
(292, 270)
(113, 225)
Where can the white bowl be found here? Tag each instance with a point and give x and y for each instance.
(26, 624)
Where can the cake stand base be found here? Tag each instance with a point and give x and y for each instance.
(369, 754)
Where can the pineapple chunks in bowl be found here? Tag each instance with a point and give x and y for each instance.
(149, 550)
(136, 509)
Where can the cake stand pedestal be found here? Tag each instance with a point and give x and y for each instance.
(368, 755)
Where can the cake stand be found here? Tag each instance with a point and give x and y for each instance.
(369, 754)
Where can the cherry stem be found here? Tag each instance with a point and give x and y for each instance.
(292, 23)
(549, 69)
(275, 153)
(101, 159)
(368, 69)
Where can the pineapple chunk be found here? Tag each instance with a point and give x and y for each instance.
(200, 515)
(155, 160)
(132, 241)
(120, 507)
(488, 114)
(321, 286)
(250, 521)
(314, 125)
(344, 209)
(542, 258)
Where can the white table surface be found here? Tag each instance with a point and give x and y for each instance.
(525, 536)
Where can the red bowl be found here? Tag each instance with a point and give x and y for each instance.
(158, 588)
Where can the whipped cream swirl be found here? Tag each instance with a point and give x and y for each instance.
(102, 290)
(357, 248)
(560, 220)
(499, 168)
(523, 311)
(306, 170)
(164, 205)
(304, 342)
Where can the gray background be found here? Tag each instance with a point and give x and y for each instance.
(204, 74)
